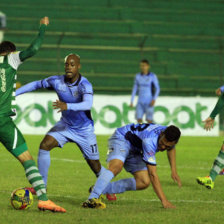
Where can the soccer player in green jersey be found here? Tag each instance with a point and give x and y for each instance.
(218, 165)
(10, 136)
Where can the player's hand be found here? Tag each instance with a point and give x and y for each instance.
(152, 103)
(168, 204)
(59, 105)
(218, 92)
(44, 21)
(176, 178)
(209, 123)
(131, 105)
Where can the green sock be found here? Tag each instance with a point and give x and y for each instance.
(35, 179)
(217, 166)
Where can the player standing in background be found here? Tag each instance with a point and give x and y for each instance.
(75, 95)
(218, 165)
(10, 136)
(134, 147)
(2, 25)
(147, 86)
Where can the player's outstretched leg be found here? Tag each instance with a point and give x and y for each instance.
(218, 165)
(120, 186)
(94, 201)
(139, 182)
(35, 179)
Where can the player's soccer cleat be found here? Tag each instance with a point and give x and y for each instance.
(110, 197)
(94, 203)
(31, 189)
(50, 205)
(222, 172)
(206, 181)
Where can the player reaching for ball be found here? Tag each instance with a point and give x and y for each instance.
(10, 136)
(134, 147)
(218, 164)
(75, 95)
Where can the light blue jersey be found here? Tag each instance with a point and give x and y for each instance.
(147, 87)
(71, 94)
(76, 124)
(135, 143)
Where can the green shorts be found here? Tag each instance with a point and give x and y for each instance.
(11, 137)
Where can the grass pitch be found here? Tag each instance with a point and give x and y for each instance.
(70, 178)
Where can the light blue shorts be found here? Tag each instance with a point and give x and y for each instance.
(144, 108)
(121, 149)
(84, 138)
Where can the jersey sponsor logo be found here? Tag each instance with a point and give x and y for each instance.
(3, 80)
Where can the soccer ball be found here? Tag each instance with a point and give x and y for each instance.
(21, 199)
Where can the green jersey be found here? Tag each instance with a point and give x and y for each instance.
(8, 68)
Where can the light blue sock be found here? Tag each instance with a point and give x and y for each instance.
(102, 181)
(44, 161)
(120, 186)
(101, 171)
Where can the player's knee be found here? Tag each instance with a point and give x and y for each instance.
(142, 183)
(115, 166)
(145, 183)
(46, 145)
(94, 165)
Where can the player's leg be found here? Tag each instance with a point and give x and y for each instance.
(218, 165)
(54, 138)
(13, 140)
(149, 114)
(139, 112)
(44, 159)
(86, 141)
(137, 167)
(118, 151)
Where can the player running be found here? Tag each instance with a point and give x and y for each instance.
(147, 86)
(10, 135)
(75, 95)
(134, 147)
(218, 164)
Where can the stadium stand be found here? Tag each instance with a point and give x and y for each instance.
(111, 36)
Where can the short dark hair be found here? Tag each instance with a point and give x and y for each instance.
(7, 47)
(172, 133)
(145, 61)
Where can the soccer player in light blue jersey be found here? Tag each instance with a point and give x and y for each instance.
(75, 95)
(134, 147)
(147, 86)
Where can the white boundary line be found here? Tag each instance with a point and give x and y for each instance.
(83, 161)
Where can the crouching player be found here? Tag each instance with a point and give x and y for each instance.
(10, 135)
(134, 147)
(75, 95)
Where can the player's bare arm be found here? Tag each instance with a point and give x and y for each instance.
(171, 154)
(157, 186)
